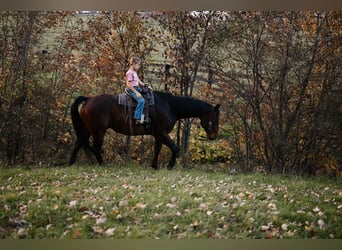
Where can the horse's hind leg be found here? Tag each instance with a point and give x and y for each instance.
(77, 147)
(97, 146)
(74, 152)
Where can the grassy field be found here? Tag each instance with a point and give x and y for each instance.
(130, 201)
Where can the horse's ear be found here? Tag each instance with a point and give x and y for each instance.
(217, 106)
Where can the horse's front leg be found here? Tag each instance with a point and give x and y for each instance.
(174, 150)
(157, 147)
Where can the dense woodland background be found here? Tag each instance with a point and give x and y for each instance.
(277, 75)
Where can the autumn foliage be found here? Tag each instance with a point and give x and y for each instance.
(277, 75)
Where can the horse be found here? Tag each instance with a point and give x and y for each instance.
(101, 112)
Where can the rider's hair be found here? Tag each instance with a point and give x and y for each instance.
(134, 60)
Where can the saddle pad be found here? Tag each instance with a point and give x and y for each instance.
(126, 100)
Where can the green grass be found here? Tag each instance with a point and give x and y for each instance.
(130, 201)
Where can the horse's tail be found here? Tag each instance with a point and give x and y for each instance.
(77, 121)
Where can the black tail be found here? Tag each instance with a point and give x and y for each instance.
(77, 122)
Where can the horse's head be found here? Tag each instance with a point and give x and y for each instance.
(210, 122)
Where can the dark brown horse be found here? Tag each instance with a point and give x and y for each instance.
(102, 112)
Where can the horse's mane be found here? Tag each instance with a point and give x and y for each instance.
(184, 102)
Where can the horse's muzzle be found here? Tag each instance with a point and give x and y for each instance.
(212, 136)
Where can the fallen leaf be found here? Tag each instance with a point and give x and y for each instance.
(101, 220)
(72, 204)
(115, 211)
(110, 231)
(123, 203)
(272, 206)
(195, 224)
(7, 208)
(320, 213)
(77, 233)
(169, 205)
(98, 229)
(321, 224)
(316, 210)
(284, 226)
(203, 206)
(140, 206)
(22, 232)
(309, 228)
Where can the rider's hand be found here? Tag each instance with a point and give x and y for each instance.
(147, 85)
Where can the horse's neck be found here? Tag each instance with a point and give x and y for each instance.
(185, 107)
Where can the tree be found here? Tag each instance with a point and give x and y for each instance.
(25, 104)
(185, 42)
(274, 77)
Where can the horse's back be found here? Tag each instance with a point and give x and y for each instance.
(100, 102)
(97, 111)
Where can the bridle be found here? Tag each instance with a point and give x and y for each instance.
(210, 128)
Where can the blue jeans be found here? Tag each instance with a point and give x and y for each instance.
(141, 102)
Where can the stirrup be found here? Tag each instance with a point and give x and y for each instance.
(140, 122)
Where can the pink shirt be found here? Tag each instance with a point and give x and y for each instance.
(132, 76)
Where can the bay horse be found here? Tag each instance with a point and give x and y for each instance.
(101, 112)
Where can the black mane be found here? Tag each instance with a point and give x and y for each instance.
(182, 106)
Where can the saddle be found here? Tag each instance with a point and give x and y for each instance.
(129, 103)
(126, 100)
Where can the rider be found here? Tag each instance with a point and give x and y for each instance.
(133, 84)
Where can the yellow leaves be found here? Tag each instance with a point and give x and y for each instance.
(64, 138)
(85, 216)
(195, 225)
(115, 211)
